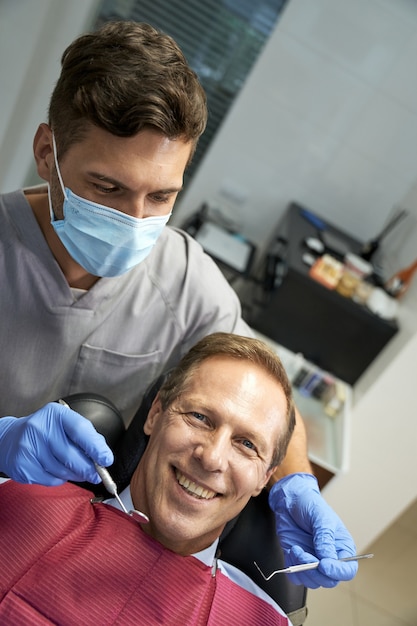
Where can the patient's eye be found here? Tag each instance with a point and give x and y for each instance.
(197, 419)
(199, 416)
(248, 444)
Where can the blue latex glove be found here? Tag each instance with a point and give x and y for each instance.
(309, 530)
(51, 446)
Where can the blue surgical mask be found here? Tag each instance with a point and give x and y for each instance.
(104, 241)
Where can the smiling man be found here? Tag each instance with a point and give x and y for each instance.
(217, 429)
(215, 438)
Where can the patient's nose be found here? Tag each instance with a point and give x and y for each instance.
(213, 452)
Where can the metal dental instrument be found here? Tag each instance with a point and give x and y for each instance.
(111, 486)
(306, 566)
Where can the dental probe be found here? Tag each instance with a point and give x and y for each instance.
(306, 566)
(111, 486)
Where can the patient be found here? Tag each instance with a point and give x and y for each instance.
(218, 427)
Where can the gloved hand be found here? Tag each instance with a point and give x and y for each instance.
(309, 530)
(51, 446)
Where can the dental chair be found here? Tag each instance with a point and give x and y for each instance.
(249, 537)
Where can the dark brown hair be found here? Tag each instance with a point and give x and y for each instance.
(237, 347)
(123, 78)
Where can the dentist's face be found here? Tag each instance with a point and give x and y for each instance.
(139, 175)
(209, 452)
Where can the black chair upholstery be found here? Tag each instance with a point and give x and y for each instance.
(249, 537)
(101, 412)
(253, 538)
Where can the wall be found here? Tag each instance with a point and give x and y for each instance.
(33, 36)
(328, 118)
(381, 481)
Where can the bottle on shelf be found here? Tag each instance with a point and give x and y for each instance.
(398, 284)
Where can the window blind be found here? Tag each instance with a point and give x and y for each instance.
(221, 40)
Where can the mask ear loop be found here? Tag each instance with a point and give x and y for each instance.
(51, 211)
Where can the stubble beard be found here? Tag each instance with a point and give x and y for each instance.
(57, 197)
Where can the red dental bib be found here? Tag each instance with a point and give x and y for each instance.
(65, 561)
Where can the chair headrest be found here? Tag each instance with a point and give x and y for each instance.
(103, 414)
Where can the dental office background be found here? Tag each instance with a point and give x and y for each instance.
(327, 118)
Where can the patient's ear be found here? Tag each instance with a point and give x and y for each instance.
(43, 151)
(153, 413)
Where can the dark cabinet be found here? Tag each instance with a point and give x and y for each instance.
(332, 331)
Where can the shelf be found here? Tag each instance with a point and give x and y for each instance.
(327, 437)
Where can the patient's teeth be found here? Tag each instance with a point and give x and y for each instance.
(193, 488)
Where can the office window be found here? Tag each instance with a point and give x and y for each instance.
(221, 40)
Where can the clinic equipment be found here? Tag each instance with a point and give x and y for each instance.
(306, 566)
